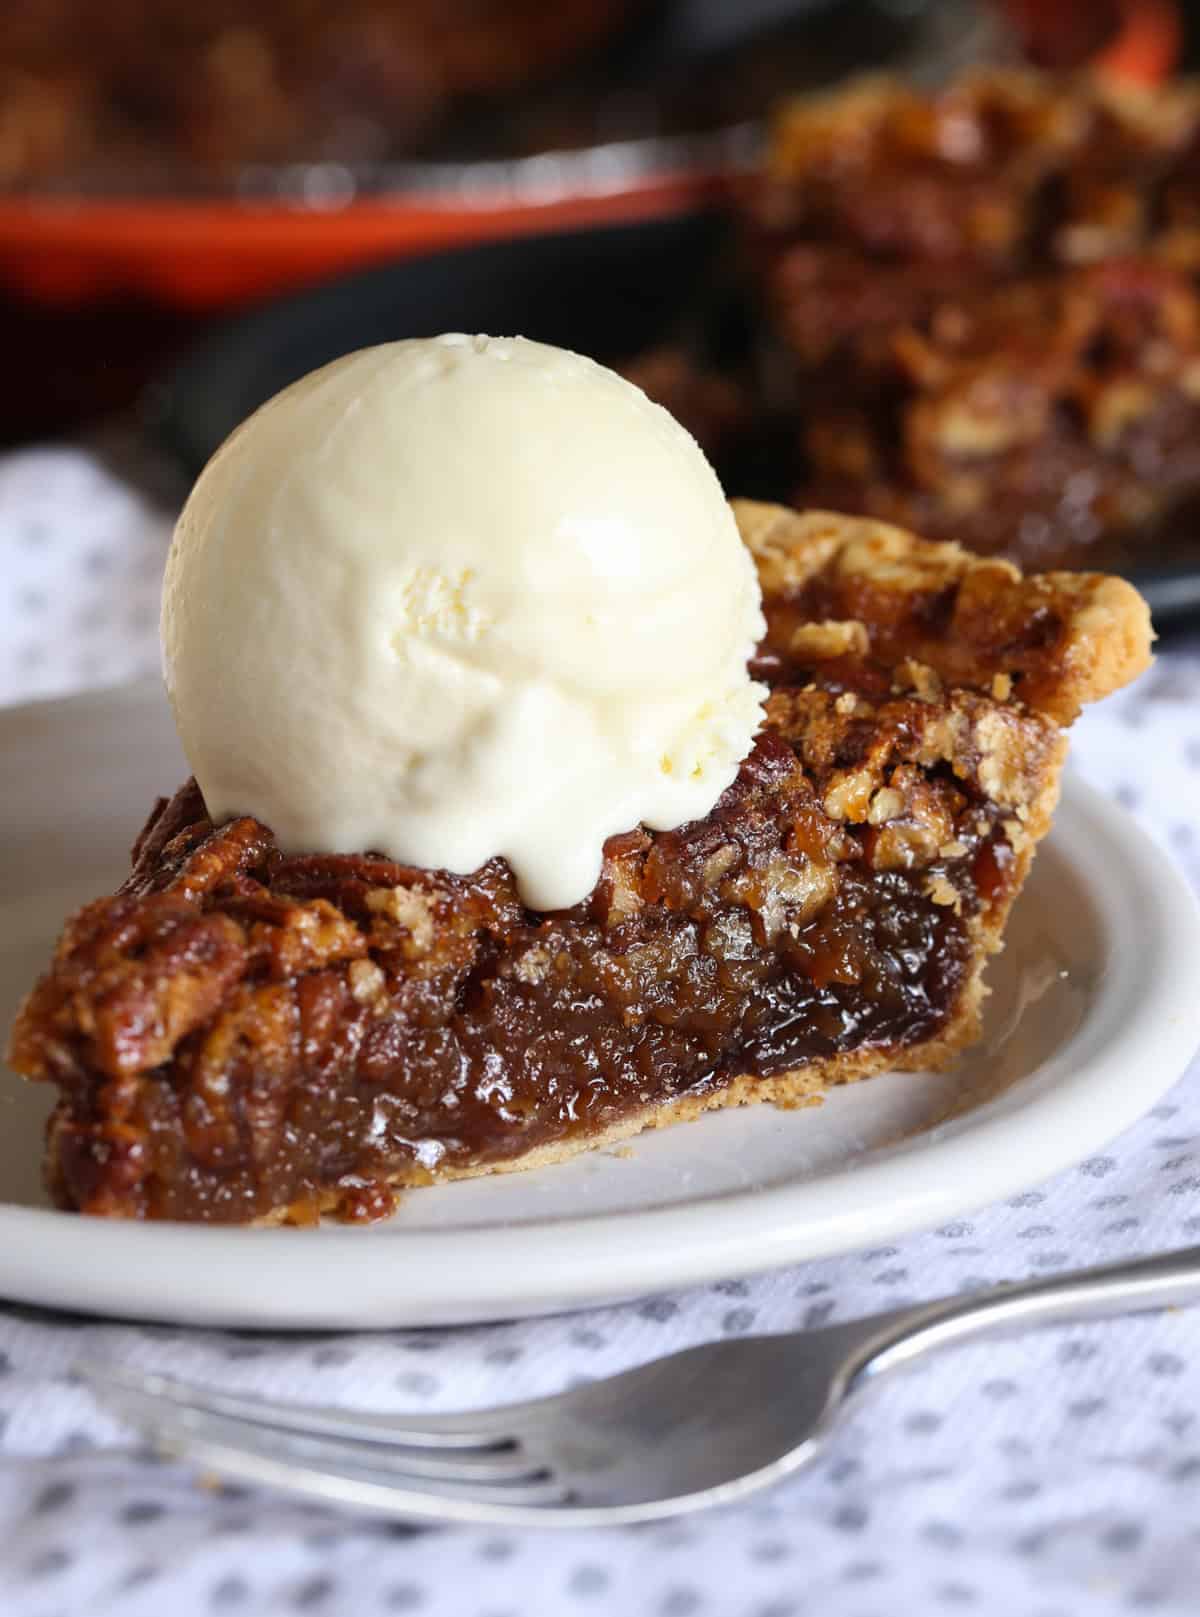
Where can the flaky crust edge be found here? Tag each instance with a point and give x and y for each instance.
(1107, 634)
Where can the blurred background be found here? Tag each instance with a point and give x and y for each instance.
(165, 165)
(960, 292)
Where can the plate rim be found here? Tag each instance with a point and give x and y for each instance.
(340, 1279)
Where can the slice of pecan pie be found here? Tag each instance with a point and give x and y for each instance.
(240, 1034)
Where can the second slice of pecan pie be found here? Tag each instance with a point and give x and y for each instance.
(984, 311)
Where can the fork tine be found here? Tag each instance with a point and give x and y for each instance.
(508, 1475)
(484, 1430)
(431, 1502)
(396, 1493)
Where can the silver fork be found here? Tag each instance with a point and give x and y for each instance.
(703, 1427)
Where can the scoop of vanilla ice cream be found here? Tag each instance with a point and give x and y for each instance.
(455, 598)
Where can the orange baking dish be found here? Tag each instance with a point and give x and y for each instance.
(212, 253)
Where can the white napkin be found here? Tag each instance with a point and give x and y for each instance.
(1051, 1476)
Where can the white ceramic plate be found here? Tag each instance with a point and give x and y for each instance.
(1094, 1013)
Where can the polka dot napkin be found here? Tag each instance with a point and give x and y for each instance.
(1056, 1475)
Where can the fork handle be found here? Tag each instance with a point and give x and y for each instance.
(1171, 1280)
